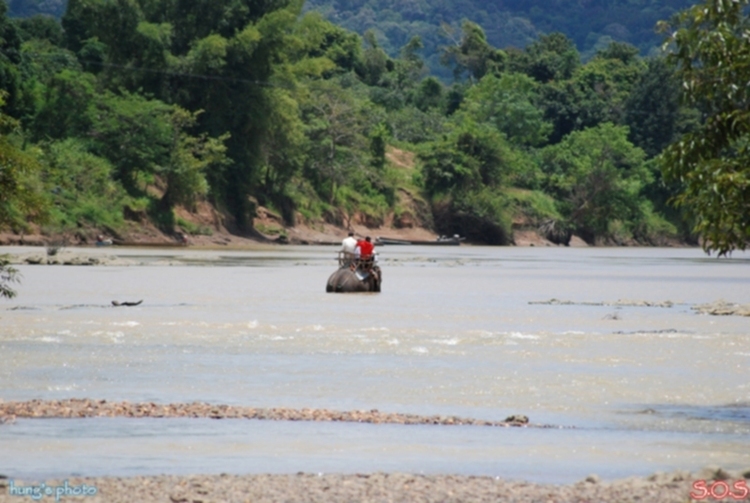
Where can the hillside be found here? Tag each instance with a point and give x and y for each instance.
(258, 118)
(591, 24)
(28, 8)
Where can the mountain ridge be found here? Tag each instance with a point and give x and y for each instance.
(591, 24)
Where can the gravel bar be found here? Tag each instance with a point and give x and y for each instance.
(84, 407)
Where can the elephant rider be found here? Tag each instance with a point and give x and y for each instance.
(348, 250)
(365, 248)
(367, 257)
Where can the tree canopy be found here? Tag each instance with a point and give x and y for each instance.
(128, 111)
(710, 45)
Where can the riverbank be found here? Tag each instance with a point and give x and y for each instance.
(673, 487)
(205, 229)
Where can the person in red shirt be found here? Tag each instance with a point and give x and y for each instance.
(365, 248)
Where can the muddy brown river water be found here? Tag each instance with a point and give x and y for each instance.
(456, 330)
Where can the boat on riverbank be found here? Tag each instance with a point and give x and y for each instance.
(441, 241)
(137, 244)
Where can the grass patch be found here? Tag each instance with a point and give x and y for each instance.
(193, 229)
(271, 230)
(536, 206)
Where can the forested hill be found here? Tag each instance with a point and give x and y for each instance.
(28, 8)
(591, 24)
(131, 112)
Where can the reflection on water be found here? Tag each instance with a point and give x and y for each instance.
(452, 333)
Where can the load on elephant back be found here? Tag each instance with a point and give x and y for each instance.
(358, 270)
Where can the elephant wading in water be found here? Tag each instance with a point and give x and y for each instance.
(355, 275)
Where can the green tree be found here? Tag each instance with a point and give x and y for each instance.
(134, 133)
(652, 109)
(597, 176)
(10, 58)
(82, 190)
(552, 57)
(66, 106)
(375, 61)
(21, 197)
(711, 54)
(147, 138)
(471, 53)
(41, 27)
(378, 142)
(464, 174)
(335, 142)
(509, 103)
(189, 158)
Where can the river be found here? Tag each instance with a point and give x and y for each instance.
(456, 330)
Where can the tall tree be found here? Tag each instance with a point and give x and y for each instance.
(596, 175)
(510, 104)
(471, 53)
(652, 108)
(711, 53)
(21, 198)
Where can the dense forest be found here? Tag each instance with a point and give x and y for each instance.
(590, 24)
(125, 109)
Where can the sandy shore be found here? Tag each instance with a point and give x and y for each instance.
(379, 487)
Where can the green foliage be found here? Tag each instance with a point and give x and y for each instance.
(378, 141)
(535, 205)
(472, 53)
(190, 157)
(464, 173)
(430, 94)
(595, 93)
(145, 105)
(40, 27)
(596, 175)
(81, 187)
(21, 199)
(10, 57)
(412, 125)
(193, 229)
(8, 274)
(335, 140)
(653, 108)
(653, 228)
(510, 104)
(65, 108)
(712, 59)
(553, 57)
(471, 156)
(511, 23)
(134, 133)
(483, 216)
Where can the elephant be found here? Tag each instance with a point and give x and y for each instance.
(346, 280)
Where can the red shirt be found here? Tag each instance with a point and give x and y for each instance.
(365, 248)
